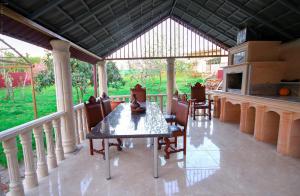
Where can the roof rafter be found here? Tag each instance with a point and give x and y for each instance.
(145, 14)
(289, 5)
(44, 9)
(205, 23)
(84, 17)
(253, 14)
(116, 18)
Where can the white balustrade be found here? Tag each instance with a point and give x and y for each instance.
(84, 123)
(51, 157)
(42, 169)
(58, 141)
(30, 173)
(77, 139)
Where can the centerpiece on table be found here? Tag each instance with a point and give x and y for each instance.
(136, 107)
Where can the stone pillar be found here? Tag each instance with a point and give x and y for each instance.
(64, 98)
(95, 80)
(243, 118)
(285, 126)
(15, 182)
(170, 82)
(259, 120)
(102, 77)
(30, 173)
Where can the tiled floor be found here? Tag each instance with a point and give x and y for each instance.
(220, 160)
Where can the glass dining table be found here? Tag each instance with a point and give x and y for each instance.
(121, 123)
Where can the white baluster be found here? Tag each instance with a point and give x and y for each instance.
(76, 129)
(59, 151)
(51, 157)
(15, 183)
(84, 124)
(123, 99)
(155, 98)
(80, 129)
(30, 173)
(149, 98)
(42, 169)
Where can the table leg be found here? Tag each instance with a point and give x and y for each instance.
(155, 153)
(107, 164)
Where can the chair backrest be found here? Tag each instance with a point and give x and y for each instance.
(140, 93)
(174, 105)
(93, 112)
(198, 92)
(115, 104)
(182, 113)
(106, 106)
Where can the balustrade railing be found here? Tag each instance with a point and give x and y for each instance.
(46, 158)
(159, 98)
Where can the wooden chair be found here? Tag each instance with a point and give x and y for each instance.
(115, 104)
(176, 131)
(94, 115)
(170, 118)
(140, 93)
(106, 109)
(198, 101)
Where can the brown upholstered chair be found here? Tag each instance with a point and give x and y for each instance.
(94, 115)
(179, 129)
(140, 93)
(170, 118)
(198, 101)
(106, 109)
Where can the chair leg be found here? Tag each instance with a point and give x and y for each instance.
(175, 140)
(91, 147)
(184, 143)
(119, 144)
(167, 141)
(194, 114)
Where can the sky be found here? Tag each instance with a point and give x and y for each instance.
(24, 47)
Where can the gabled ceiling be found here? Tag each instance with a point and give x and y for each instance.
(103, 26)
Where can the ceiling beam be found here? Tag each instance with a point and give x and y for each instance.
(116, 18)
(158, 7)
(205, 23)
(44, 9)
(251, 13)
(84, 17)
(289, 5)
(172, 8)
(136, 33)
(215, 14)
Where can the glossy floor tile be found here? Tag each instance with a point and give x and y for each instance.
(220, 160)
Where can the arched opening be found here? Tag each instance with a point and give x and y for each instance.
(294, 144)
(250, 120)
(232, 112)
(270, 127)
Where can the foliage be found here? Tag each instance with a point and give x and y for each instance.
(45, 78)
(114, 78)
(81, 77)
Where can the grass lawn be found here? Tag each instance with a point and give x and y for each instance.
(19, 111)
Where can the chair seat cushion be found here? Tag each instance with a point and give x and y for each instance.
(174, 128)
(201, 105)
(170, 117)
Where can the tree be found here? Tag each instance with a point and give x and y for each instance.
(114, 78)
(81, 76)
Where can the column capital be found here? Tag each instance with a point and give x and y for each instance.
(101, 63)
(60, 45)
(171, 60)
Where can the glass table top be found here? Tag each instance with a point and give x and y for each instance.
(120, 123)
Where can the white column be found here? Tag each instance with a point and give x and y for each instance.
(30, 173)
(102, 80)
(58, 144)
(170, 82)
(15, 183)
(64, 99)
(51, 157)
(42, 169)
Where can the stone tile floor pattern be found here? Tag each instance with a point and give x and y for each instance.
(220, 160)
